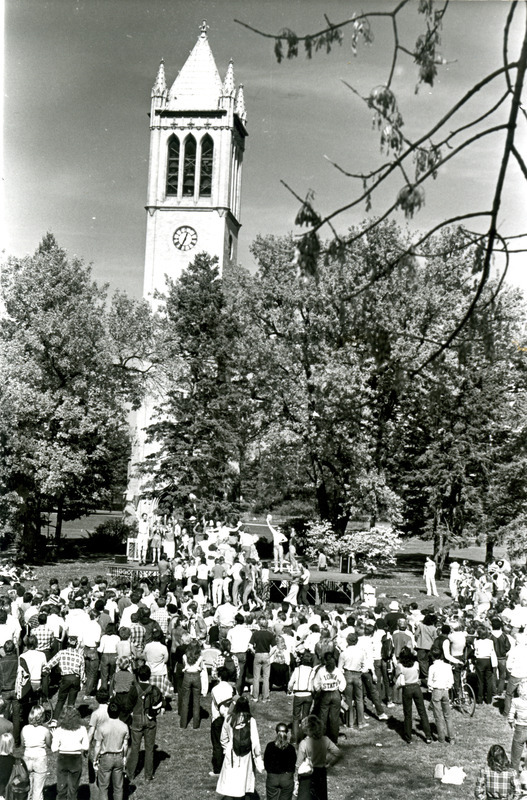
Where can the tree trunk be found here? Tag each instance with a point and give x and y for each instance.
(441, 547)
(58, 526)
(489, 549)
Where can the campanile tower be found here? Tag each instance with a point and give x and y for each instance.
(197, 139)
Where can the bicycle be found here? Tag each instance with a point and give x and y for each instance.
(465, 700)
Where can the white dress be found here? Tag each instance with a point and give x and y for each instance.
(237, 773)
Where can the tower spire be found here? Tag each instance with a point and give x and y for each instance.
(240, 105)
(159, 88)
(229, 88)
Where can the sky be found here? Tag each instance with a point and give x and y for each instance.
(77, 81)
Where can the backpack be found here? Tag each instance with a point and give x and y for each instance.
(241, 739)
(502, 645)
(18, 785)
(230, 666)
(386, 647)
(151, 703)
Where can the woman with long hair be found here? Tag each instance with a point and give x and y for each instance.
(7, 759)
(497, 780)
(279, 763)
(407, 676)
(241, 748)
(315, 753)
(36, 737)
(70, 741)
(191, 685)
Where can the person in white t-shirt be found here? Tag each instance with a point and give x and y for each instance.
(278, 545)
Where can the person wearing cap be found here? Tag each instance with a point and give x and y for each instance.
(71, 664)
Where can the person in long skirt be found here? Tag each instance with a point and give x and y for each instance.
(322, 753)
(242, 754)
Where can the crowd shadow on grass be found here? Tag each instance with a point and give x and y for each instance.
(378, 770)
(50, 792)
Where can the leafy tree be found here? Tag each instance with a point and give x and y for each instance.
(200, 425)
(414, 162)
(345, 413)
(65, 392)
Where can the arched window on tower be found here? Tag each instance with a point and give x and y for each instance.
(207, 157)
(172, 165)
(189, 167)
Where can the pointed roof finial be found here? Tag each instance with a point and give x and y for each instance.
(160, 86)
(204, 28)
(228, 84)
(240, 105)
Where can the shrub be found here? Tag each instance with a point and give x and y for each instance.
(109, 536)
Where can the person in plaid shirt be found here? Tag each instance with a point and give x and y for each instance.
(71, 665)
(137, 637)
(160, 615)
(44, 634)
(497, 781)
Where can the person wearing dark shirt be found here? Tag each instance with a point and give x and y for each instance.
(8, 671)
(279, 763)
(262, 640)
(394, 613)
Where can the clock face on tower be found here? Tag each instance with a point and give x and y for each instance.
(185, 238)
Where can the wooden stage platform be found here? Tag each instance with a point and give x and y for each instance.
(321, 584)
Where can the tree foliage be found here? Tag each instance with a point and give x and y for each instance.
(64, 393)
(200, 425)
(344, 420)
(416, 161)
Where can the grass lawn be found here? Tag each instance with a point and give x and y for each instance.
(376, 765)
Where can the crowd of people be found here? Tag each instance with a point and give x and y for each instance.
(135, 652)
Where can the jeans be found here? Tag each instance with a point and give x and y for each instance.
(353, 693)
(279, 786)
(12, 712)
(301, 709)
(68, 690)
(518, 741)
(423, 657)
(191, 687)
(217, 749)
(38, 769)
(442, 714)
(412, 691)
(91, 665)
(242, 663)
(329, 714)
(111, 771)
(502, 675)
(136, 734)
(69, 770)
(217, 591)
(372, 692)
(485, 676)
(315, 786)
(383, 680)
(262, 667)
(107, 667)
(512, 685)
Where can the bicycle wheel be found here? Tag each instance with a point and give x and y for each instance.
(468, 701)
